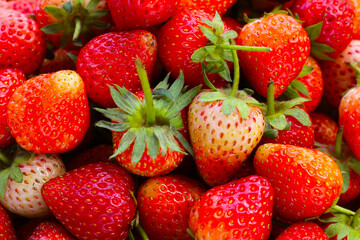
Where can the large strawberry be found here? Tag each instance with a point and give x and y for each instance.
(330, 25)
(22, 182)
(22, 44)
(146, 130)
(50, 230)
(7, 231)
(109, 59)
(290, 46)
(306, 181)
(10, 79)
(303, 230)
(240, 209)
(49, 113)
(161, 200)
(141, 14)
(93, 202)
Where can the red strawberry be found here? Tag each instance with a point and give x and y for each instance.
(141, 14)
(332, 25)
(109, 59)
(304, 231)
(354, 190)
(50, 230)
(339, 77)
(240, 209)
(22, 196)
(94, 201)
(290, 46)
(7, 231)
(164, 206)
(22, 44)
(49, 113)
(10, 79)
(60, 61)
(306, 181)
(325, 128)
(211, 6)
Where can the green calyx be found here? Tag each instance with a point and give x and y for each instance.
(275, 113)
(153, 123)
(75, 20)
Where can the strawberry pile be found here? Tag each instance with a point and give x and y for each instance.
(179, 119)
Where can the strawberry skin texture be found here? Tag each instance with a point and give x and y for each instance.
(290, 46)
(10, 79)
(94, 201)
(222, 143)
(338, 21)
(163, 199)
(49, 113)
(178, 38)
(7, 231)
(240, 209)
(27, 7)
(306, 181)
(349, 116)
(61, 61)
(339, 77)
(50, 231)
(325, 128)
(211, 6)
(22, 42)
(357, 19)
(304, 231)
(109, 59)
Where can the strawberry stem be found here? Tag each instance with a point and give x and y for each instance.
(142, 232)
(150, 109)
(338, 142)
(345, 211)
(236, 81)
(270, 102)
(244, 48)
(5, 159)
(77, 30)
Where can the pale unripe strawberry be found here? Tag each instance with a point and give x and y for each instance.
(25, 198)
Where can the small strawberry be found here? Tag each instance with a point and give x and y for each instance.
(240, 209)
(109, 59)
(93, 202)
(59, 61)
(304, 231)
(290, 46)
(163, 199)
(325, 128)
(306, 181)
(22, 44)
(49, 113)
(339, 77)
(330, 25)
(211, 6)
(23, 181)
(10, 79)
(141, 14)
(50, 230)
(7, 231)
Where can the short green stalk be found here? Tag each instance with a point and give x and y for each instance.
(236, 80)
(345, 211)
(142, 232)
(270, 99)
(77, 30)
(244, 48)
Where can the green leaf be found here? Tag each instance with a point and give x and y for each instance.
(177, 122)
(178, 85)
(125, 142)
(300, 115)
(139, 146)
(306, 70)
(334, 229)
(212, 96)
(314, 31)
(321, 47)
(99, 13)
(56, 12)
(343, 232)
(73, 57)
(171, 143)
(206, 79)
(297, 85)
(230, 34)
(199, 55)
(354, 164)
(218, 24)
(229, 105)
(353, 235)
(182, 102)
(345, 175)
(355, 223)
(183, 142)
(162, 140)
(210, 49)
(99, 24)
(208, 22)
(243, 108)
(278, 121)
(291, 103)
(15, 173)
(114, 127)
(163, 92)
(225, 74)
(269, 132)
(92, 5)
(320, 55)
(53, 28)
(4, 176)
(152, 144)
(209, 34)
(164, 83)
(291, 93)
(68, 6)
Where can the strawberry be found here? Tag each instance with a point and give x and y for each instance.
(59, 61)
(240, 209)
(290, 46)
(339, 77)
(109, 59)
(23, 181)
(54, 103)
(10, 79)
(303, 230)
(208, 6)
(306, 181)
(7, 231)
(72, 23)
(141, 14)
(163, 199)
(22, 44)
(93, 202)
(50, 230)
(325, 128)
(357, 18)
(329, 24)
